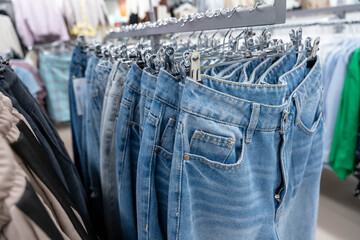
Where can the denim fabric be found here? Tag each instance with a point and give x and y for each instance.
(85, 119)
(220, 185)
(249, 67)
(280, 67)
(77, 70)
(95, 102)
(113, 95)
(155, 156)
(54, 72)
(127, 151)
(45, 132)
(148, 86)
(259, 70)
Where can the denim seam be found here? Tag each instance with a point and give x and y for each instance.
(169, 124)
(132, 88)
(307, 131)
(166, 102)
(150, 173)
(124, 148)
(225, 167)
(126, 103)
(254, 118)
(246, 85)
(163, 152)
(180, 185)
(312, 92)
(227, 155)
(212, 141)
(149, 74)
(226, 122)
(169, 75)
(146, 95)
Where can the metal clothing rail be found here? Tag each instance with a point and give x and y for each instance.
(340, 11)
(257, 16)
(321, 23)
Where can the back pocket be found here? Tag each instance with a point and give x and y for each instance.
(214, 147)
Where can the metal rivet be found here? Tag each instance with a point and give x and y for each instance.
(156, 150)
(186, 157)
(277, 197)
(131, 124)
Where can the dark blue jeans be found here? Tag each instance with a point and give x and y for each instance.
(77, 70)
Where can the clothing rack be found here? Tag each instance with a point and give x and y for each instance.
(213, 20)
(324, 23)
(340, 11)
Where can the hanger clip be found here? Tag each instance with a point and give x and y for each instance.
(195, 66)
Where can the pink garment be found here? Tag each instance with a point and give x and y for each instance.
(39, 21)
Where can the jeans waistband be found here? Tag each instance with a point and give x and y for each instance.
(238, 110)
(206, 102)
(148, 84)
(302, 81)
(168, 89)
(79, 57)
(133, 79)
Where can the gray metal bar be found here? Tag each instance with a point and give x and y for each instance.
(268, 15)
(339, 10)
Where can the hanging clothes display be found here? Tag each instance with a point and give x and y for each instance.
(11, 41)
(165, 151)
(45, 26)
(58, 207)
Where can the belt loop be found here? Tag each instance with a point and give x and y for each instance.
(253, 122)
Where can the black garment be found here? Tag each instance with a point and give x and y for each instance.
(31, 205)
(35, 158)
(55, 150)
(133, 19)
(357, 175)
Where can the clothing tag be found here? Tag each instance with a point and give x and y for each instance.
(79, 90)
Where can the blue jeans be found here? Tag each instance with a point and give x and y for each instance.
(113, 95)
(77, 70)
(96, 92)
(248, 165)
(92, 61)
(127, 148)
(155, 156)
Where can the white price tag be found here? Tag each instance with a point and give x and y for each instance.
(79, 90)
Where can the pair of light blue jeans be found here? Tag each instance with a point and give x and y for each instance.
(113, 94)
(247, 165)
(136, 100)
(95, 97)
(157, 144)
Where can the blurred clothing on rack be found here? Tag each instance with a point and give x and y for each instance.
(35, 202)
(343, 150)
(54, 72)
(85, 17)
(9, 38)
(39, 21)
(30, 77)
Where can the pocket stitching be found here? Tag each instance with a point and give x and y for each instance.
(171, 123)
(221, 166)
(309, 132)
(199, 137)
